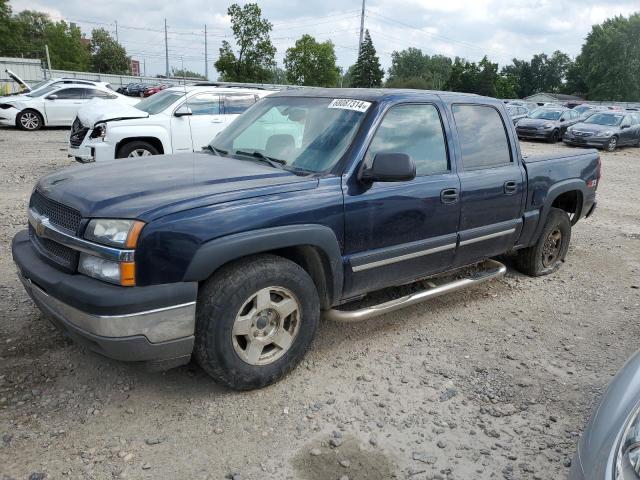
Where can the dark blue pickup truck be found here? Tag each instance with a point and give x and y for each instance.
(305, 204)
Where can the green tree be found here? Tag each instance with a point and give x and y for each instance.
(610, 60)
(312, 63)
(346, 80)
(108, 56)
(541, 74)
(411, 68)
(9, 40)
(67, 49)
(464, 76)
(487, 78)
(367, 72)
(506, 87)
(254, 61)
(179, 72)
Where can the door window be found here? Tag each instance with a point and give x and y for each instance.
(70, 93)
(93, 93)
(204, 104)
(415, 130)
(236, 104)
(482, 136)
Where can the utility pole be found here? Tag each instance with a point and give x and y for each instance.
(166, 48)
(361, 28)
(144, 67)
(117, 40)
(206, 57)
(46, 50)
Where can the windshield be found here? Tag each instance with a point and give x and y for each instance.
(546, 114)
(582, 109)
(39, 84)
(158, 102)
(301, 133)
(42, 91)
(609, 119)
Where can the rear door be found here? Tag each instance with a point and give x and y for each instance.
(396, 232)
(491, 183)
(206, 119)
(61, 106)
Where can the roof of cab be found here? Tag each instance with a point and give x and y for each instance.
(377, 94)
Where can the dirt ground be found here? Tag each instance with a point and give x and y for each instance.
(493, 382)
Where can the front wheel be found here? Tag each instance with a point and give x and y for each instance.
(550, 250)
(29, 120)
(555, 137)
(255, 320)
(136, 149)
(612, 144)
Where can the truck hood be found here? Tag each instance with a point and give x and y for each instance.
(151, 187)
(98, 110)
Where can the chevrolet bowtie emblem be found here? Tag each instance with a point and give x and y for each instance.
(39, 226)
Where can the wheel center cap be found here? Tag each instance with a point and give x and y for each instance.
(262, 322)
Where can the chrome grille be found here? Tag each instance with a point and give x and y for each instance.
(60, 254)
(78, 132)
(59, 215)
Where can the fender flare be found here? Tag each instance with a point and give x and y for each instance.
(554, 192)
(213, 254)
(121, 134)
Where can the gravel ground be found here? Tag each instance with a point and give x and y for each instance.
(494, 382)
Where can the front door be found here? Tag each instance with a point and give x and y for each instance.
(396, 232)
(491, 183)
(206, 119)
(61, 106)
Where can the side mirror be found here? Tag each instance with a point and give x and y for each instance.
(562, 119)
(390, 167)
(183, 111)
(624, 126)
(53, 96)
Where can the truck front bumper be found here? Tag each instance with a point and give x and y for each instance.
(92, 150)
(144, 324)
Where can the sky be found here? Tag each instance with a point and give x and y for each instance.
(500, 29)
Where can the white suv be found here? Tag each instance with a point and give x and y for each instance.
(178, 119)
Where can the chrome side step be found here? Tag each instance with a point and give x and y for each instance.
(490, 269)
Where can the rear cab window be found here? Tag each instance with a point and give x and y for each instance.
(482, 136)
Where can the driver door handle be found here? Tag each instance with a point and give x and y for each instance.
(510, 187)
(449, 195)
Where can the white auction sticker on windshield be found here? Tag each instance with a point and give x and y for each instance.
(350, 104)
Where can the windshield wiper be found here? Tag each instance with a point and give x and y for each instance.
(274, 162)
(214, 150)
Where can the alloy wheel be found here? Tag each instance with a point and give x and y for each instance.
(29, 121)
(140, 152)
(611, 146)
(266, 326)
(551, 248)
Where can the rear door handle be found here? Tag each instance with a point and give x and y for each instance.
(217, 120)
(510, 187)
(449, 195)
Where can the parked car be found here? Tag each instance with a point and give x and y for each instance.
(46, 83)
(586, 111)
(178, 119)
(609, 448)
(123, 88)
(54, 105)
(517, 112)
(547, 124)
(135, 90)
(523, 103)
(232, 253)
(155, 89)
(607, 130)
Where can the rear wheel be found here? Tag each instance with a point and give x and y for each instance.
(256, 319)
(612, 144)
(550, 250)
(135, 149)
(29, 120)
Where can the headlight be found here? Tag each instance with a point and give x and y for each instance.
(570, 129)
(115, 233)
(628, 455)
(106, 270)
(99, 131)
(548, 125)
(608, 133)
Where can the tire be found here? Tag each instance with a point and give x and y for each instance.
(537, 259)
(137, 148)
(612, 144)
(230, 321)
(555, 137)
(29, 120)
